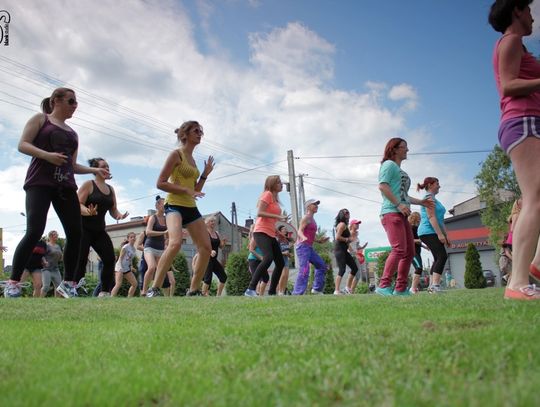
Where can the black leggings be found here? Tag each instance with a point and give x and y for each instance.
(102, 244)
(437, 250)
(253, 264)
(271, 252)
(66, 204)
(344, 259)
(214, 266)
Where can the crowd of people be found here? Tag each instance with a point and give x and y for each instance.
(53, 146)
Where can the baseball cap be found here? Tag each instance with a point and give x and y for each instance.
(355, 222)
(311, 201)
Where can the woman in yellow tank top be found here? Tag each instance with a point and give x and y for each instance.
(180, 178)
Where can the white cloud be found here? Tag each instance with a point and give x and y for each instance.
(404, 92)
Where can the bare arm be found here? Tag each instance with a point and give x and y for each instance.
(261, 212)
(208, 168)
(84, 191)
(510, 53)
(339, 231)
(387, 192)
(252, 247)
(303, 223)
(114, 212)
(139, 243)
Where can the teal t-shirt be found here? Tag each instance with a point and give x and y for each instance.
(251, 256)
(390, 173)
(425, 227)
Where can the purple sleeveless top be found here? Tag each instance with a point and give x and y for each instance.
(310, 231)
(42, 173)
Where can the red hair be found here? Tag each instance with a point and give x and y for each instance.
(427, 182)
(391, 147)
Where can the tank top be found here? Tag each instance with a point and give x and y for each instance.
(513, 106)
(215, 242)
(156, 242)
(124, 263)
(310, 231)
(343, 246)
(53, 256)
(42, 173)
(185, 175)
(104, 203)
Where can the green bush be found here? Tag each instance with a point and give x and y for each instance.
(381, 261)
(474, 278)
(329, 282)
(181, 274)
(362, 288)
(238, 273)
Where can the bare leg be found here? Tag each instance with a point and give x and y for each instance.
(199, 234)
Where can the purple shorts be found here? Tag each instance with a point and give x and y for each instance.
(513, 131)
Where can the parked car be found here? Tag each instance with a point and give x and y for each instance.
(490, 278)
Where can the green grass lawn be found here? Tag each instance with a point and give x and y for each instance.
(463, 348)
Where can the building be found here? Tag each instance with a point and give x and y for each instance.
(226, 230)
(464, 227)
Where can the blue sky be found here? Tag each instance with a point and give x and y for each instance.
(321, 78)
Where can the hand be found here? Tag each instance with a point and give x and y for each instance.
(442, 238)
(123, 216)
(213, 253)
(57, 159)
(103, 172)
(208, 166)
(91, 210)
(3, 248)
(324, 239)
(285, 218)
(195, 194)
(404, 209)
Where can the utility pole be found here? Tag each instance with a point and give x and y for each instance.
(292, 182)
(234, 222)
(301, 195)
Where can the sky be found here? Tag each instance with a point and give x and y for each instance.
(331, 81)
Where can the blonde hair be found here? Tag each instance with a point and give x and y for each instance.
(414, 218)
(516, 209)
(184, 129)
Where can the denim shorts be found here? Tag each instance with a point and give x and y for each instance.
(513, 131)
(188, 214)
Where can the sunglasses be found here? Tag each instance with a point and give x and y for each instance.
(72, 102)
(198, 131)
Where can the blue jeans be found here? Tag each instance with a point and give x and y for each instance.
(306, 255)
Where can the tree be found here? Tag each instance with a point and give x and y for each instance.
(474, 278)
(496, 175)
(238, 273)
(181, 274)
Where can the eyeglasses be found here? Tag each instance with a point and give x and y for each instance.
(72, 102)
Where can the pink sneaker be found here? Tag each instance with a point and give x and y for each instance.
(527, 293)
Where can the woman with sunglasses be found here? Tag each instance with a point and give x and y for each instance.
(96, 199)
(394, 184)
(53, 146)
(181, 179)
(264, 234)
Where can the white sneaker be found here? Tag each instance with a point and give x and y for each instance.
(315, 292)
(12, 289)
(347, 291)
(336, 292)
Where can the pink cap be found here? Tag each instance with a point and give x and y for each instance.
(355, 222)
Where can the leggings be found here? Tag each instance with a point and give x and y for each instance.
(66, 204)
(214, 266)
(271, 252)
(253, 264)
(437, 250)
(344, 259)
(102, 244)
(417, 261)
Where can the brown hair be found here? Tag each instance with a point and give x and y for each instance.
(427, 182)
(184, 129)
(414, 218)
(271, 182)
(391, 147)
(47, 104)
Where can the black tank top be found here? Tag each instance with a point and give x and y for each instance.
(104, 204)
(156, 242)
(215, 242)
(343, 246)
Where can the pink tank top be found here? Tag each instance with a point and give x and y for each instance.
(511, 106)
(310, 231)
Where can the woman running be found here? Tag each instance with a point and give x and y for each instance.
(154, 244)
(306, 254)
(341, 251)
(432, 232)
(53, 146)
(394, 184)
(123, 267)
(183, 182)
(214, 266)
(96, 198)
(264, 233)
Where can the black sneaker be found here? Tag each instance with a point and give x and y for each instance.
(154, 292)
(195, 293)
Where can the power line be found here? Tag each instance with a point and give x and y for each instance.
(343, 193)
(379, 155)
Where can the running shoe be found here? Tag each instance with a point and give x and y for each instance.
(404, 293)
(315, 292)
(12, 289)
(154, 292)
(527, 293)
(385, 292)
(250, 293)
(65, 290)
